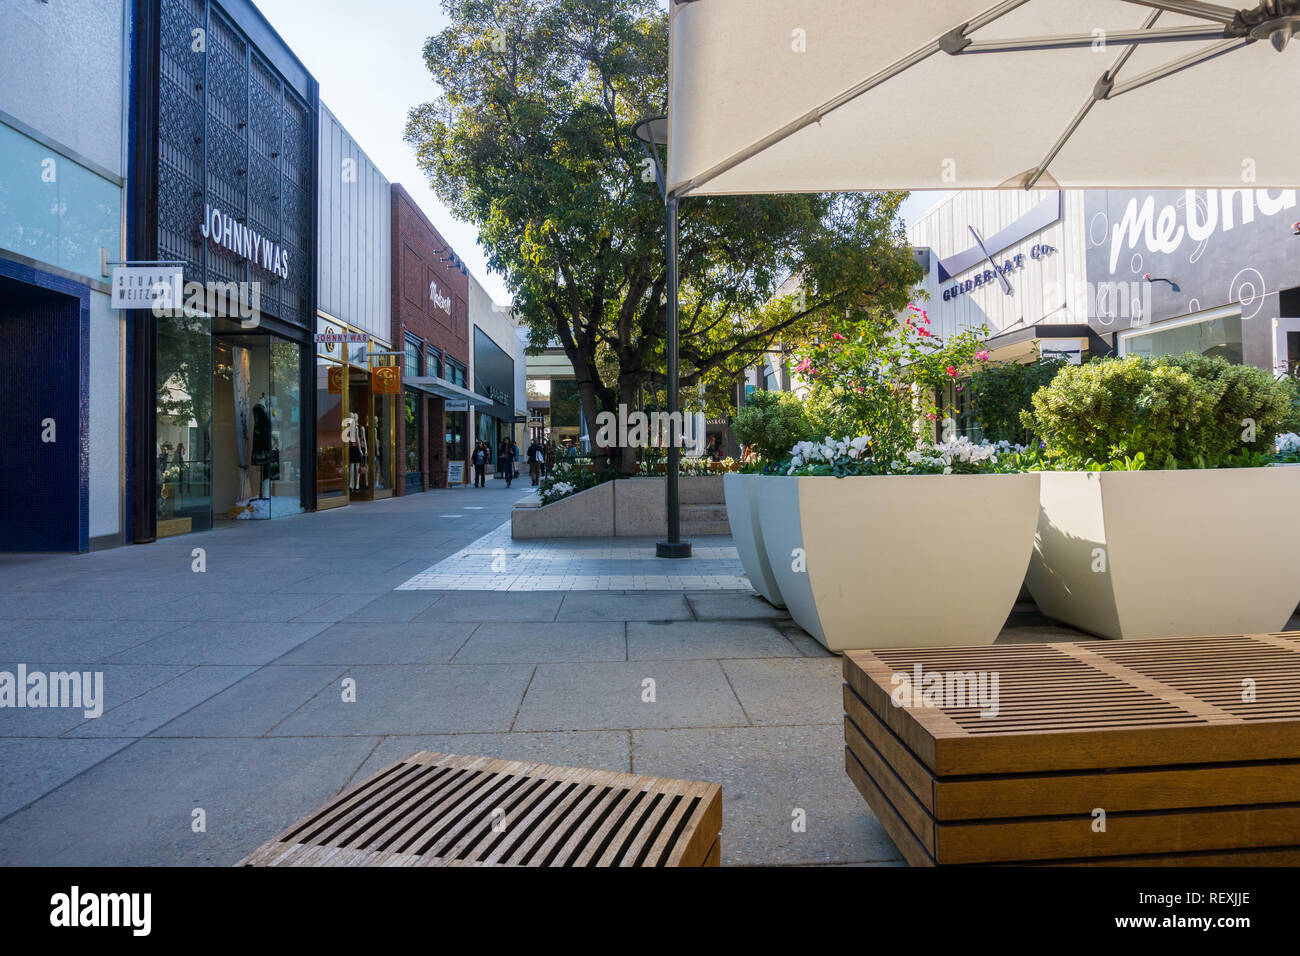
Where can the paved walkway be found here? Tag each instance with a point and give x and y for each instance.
(496, 562)
(225, 689)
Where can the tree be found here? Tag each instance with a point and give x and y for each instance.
(530, 140)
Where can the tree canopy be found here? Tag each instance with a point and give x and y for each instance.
(531, 141)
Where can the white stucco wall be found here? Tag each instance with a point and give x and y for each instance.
(61, 73)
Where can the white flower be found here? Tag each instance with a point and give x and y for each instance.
(947, 471)
(1288, 443)
(896, 466)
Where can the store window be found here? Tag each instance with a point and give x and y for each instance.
(414, 444)
(456, 450)
(331, 453)
(411, 361)
(184, 423)
(1216, 333)
(434, 361)
(456, 373)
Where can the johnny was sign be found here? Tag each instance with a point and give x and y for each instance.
(1015, 263)
(225, 231)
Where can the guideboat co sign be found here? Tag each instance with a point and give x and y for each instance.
(225, 231)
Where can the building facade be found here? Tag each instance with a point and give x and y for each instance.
(430, 328)
(499, 374)
(223, 181)
(63, 349)
(357, 420)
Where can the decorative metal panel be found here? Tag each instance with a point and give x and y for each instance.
(232, 135)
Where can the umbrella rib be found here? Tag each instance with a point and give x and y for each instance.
(1192, 8)
(1118, 37)
(815, 115)
(1099, 91)
(1180, 64)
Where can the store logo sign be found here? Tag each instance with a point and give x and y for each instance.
(1040, 217)
(437, 298)
(225, 231)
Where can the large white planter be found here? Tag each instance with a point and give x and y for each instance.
(1167, 553)
(747, 533)
(899, 560)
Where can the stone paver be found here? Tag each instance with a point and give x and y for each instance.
(225, 690)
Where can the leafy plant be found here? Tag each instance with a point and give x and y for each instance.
(1175, 411)
(568, 478)
(1000, 392)
(884, 378)
(770, 422)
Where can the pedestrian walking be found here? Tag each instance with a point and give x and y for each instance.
(536, 458)
(480, 460)
(506, 460)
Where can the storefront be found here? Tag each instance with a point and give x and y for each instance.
(1210, 271)
(494, 380)
(62, 344)
(224, 181)
(358, 415)
(430, 324)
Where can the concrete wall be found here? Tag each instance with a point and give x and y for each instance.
(627, 508)
(354, 243)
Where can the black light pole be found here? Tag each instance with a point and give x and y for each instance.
(653, 133)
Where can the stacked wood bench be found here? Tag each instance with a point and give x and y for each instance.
(1186, 749)
(434, 809)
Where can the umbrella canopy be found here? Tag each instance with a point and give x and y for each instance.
(772, 96)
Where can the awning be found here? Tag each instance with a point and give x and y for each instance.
(442, 388)
(772, 96)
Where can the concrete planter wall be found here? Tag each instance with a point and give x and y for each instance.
(629, 507)
(1167, 553)
(899, 561)
(747, 533)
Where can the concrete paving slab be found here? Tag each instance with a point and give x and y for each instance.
(78, 641)
(122, 683)
(693, 640)
(160, 704)
(802, 691)
(608, 696)
(597, 749)
(498, 643)
(482, 606)
(255, 704)
(395, 606)
(213, 642)
(607, 606)
(730, 606)
(233, 606)
(767, 775)
(33, 767)
(414, 699)
(249, 790)
(354, 642)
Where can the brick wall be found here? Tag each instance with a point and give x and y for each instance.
(418, 248)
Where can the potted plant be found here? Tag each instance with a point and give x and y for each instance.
(858, 531)
(1159, 508)
(769, 424)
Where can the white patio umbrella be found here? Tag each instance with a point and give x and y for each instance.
(770, 96)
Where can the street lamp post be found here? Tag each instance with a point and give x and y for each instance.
(653, 133)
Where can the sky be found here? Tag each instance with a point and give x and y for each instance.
(367, 56)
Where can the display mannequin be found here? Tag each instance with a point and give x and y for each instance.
(263, 452)
(356, 452)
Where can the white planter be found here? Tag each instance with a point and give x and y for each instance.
(747, 533)
(1167, 553)
(900, 560)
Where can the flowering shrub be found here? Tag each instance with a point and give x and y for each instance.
(567, 478)
(882, 378)
(851, 457)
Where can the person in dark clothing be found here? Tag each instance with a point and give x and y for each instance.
(536, 457)
(480, 460)
(506, 460)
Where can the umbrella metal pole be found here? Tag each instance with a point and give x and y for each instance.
(674, 547)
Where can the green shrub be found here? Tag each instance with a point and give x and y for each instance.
(999, 393)
(1184, 410)
(771, 423)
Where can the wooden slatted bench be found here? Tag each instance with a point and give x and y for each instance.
(1189, 746)
(434, 809)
